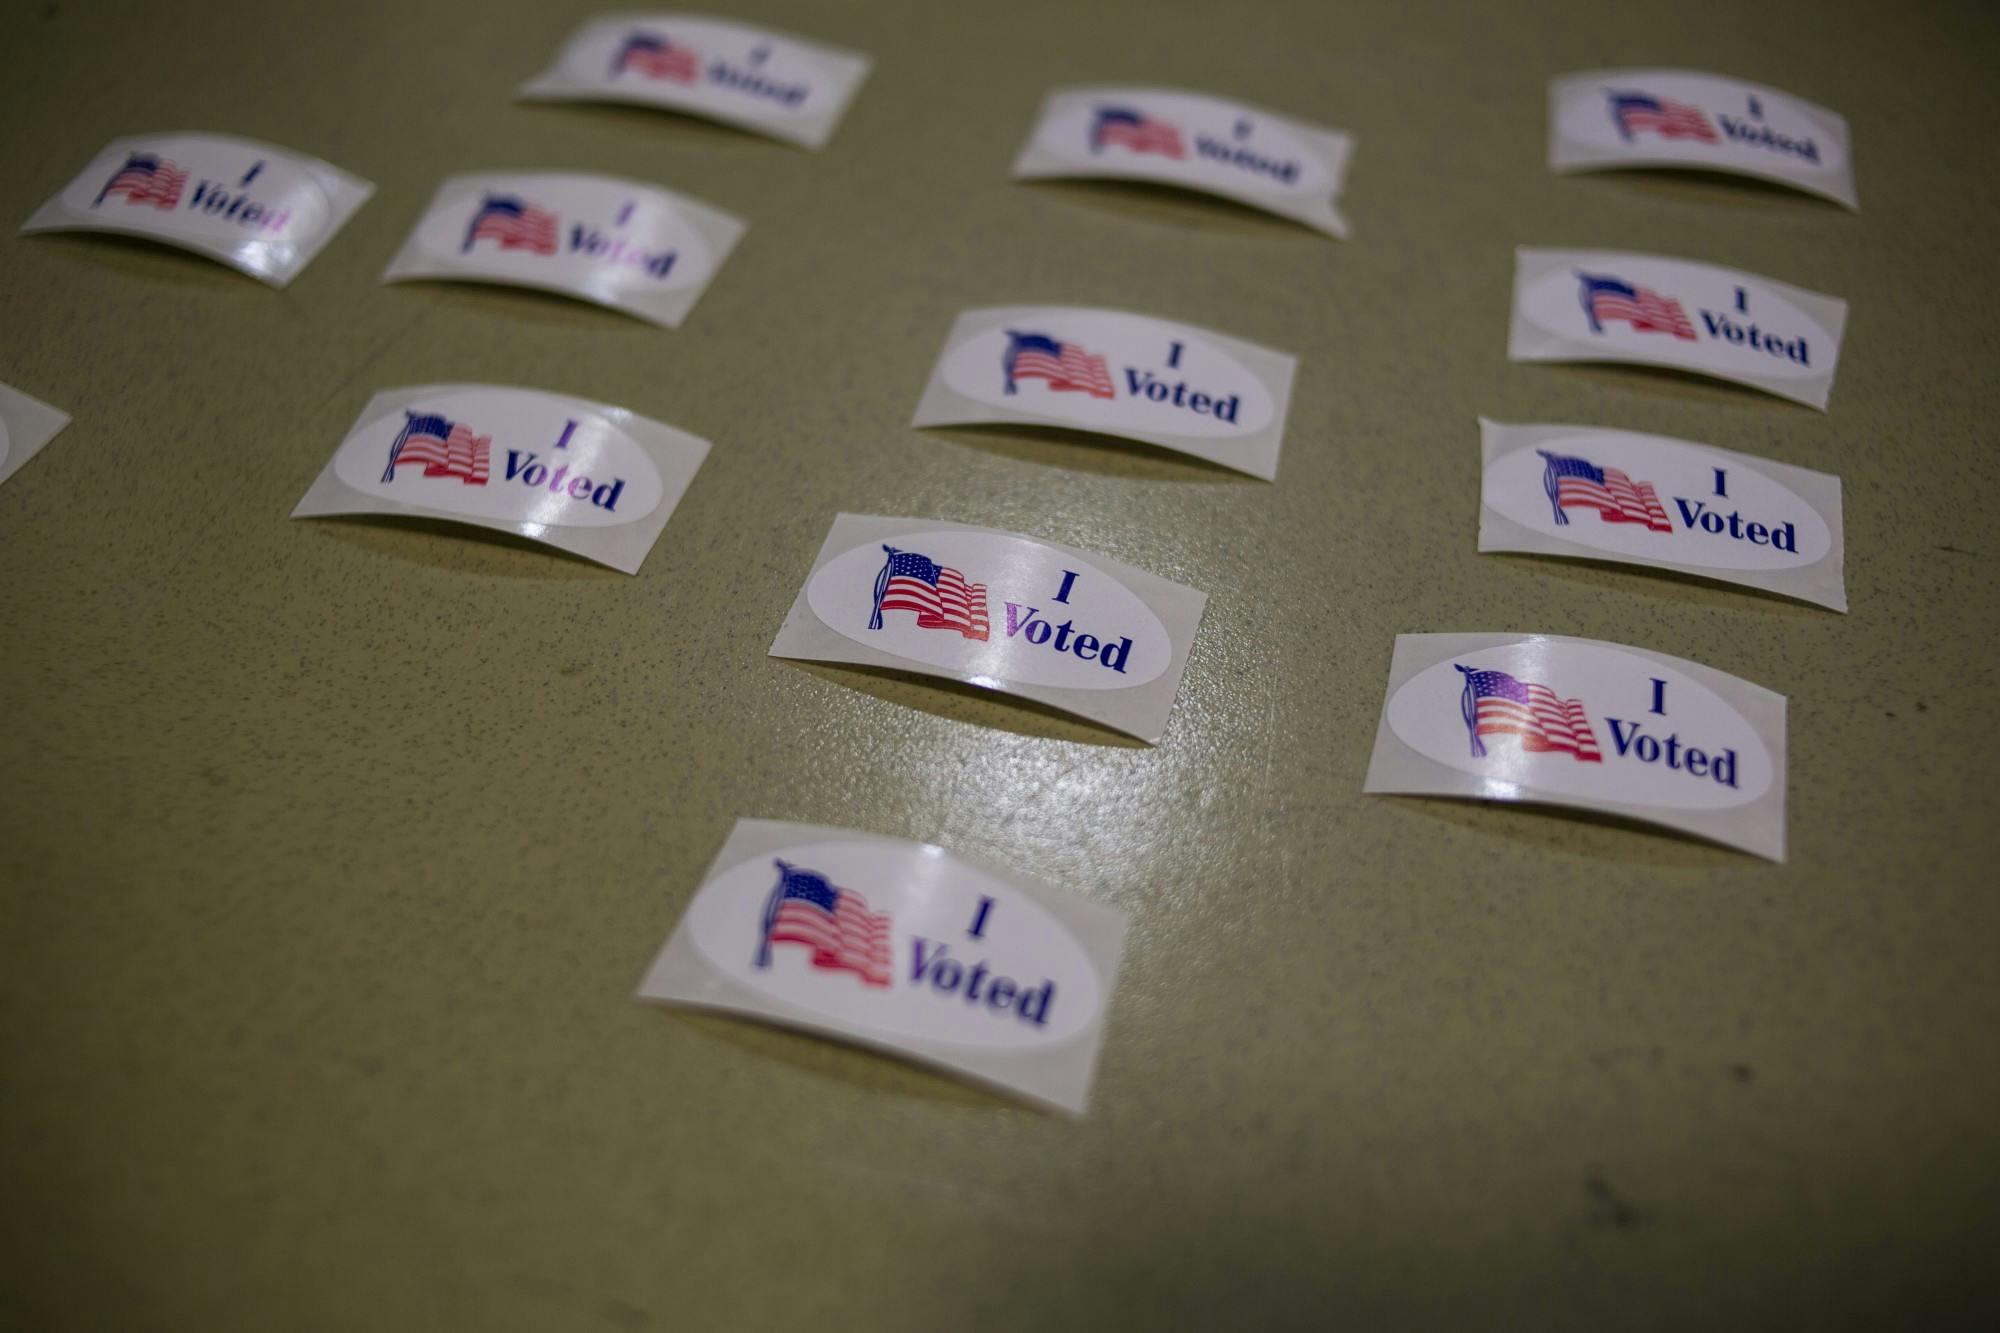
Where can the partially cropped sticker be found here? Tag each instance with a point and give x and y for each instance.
(592, 479)
(1168, 384)
(637, 248)
(1600, 305)
(901, 946)
(25, 426)
(1575, 722)
(771, 82)
(1681, 118)
(1001, 611)
(1240, 152)
(1636, 499)
(260, 209)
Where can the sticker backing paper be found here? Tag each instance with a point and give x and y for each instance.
(1001, 611)
(904, 947)
(1202, 143)
(637, 248)
(25, 426)
(1603, 305)
(771, 82)
(1681, 118)
(1173, 385)
(262, 210)
(589, 478)
(1576, 722)
(1597, 494)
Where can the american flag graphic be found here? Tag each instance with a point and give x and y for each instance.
(443, 447)
(809, 909)
(938, 594)
(1577, 483)
(514, 223)
(1135, 130)
(657, 58)
(146, 178)
(1669, 120)
(1645, 310)
(1066, 367)
(1496, 704)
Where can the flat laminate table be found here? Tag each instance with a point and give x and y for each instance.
(333, 850)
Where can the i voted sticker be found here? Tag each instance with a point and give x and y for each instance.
(771, 82)
(263, 210)
(637, 248)
(1598, 494)
(904, 947)
(1600, 305)
(1001, 611)
(1575, 722)
(1680, 118)
(1240, 152)
(1173, 385)
(26, 424)
(592, 479)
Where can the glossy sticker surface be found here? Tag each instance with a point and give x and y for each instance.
(1001, 611)
(592, 479)
(1182, 388)
(26, 424)
(263, 210)
(1577, 722)
(1232, 149)
(903, 946)
(1607, 118)
(1673, 504)
(771, 82)
(1601, 305)
(637, 248)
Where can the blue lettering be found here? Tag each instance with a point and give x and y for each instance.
(1026, 623)
(919, 964)
(1235, 155)
(526, 469)
(754, 84)
(1695, 514)
(1143, 384)
(931, 962)
(212, 199)
(617, 250)
(1727, 329)
(1629, 742)
(1763, 136)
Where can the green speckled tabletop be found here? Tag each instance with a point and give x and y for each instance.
(334, 849)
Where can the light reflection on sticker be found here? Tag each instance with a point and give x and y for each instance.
(261, 209)
(590, 478)
(1592, 305)
(1575, 722)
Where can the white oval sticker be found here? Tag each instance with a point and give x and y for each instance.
(898, 941)
(1657, 499)
(1680, 313)
(982, 604)
(1701, 118)
(682, 59)
(1583, 722)
(1113, 374)
(1198, 141)
(504, 454)
(201, 188)
(593, 235)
